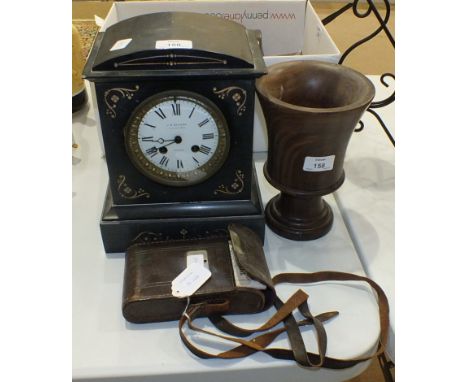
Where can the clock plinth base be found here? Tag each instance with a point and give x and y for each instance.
(124, 226)
(299, 218)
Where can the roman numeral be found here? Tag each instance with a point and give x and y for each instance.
(147, 139)
(205, 150)
(164, 161)
(202, 123)
(190, 116)
(160, 113)
(147, 124)
(208, 136)
(180, 164)
(195, 159)
(152, 151)
(175, 109)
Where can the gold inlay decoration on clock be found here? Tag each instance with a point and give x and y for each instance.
(147, 236)
(113, 96)
(128, 192)
(171, 59)
(237, 94)
(236, 187)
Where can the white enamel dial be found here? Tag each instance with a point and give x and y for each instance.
(177, 138)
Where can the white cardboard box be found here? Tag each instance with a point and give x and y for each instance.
(283, 22)
(303, 34)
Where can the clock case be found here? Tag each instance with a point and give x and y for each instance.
(222, 65)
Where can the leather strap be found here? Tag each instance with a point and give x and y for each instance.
(298, 299)
(384, 309)
(298, 351)
(247, 347)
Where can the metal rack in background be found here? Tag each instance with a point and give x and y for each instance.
(383, 21)
(386, 365)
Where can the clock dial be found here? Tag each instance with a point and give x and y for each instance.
(177, 138)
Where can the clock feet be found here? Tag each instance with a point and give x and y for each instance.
(299, 218)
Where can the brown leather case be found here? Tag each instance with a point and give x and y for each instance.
(151, 267)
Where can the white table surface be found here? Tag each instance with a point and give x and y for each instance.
(106, 347)
(367, 200)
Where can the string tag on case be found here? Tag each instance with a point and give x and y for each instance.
(190, 280)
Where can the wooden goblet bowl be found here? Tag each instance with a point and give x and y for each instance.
(311, 109)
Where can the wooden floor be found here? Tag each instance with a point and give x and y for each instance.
(372, 374)
(375, 57)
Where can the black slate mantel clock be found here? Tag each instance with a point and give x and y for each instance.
(175, 94)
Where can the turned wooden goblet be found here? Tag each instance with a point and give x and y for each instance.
(311, 109)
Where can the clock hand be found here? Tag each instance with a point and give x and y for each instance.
(177, 140)
(159, 140)
(167, 140)
(167, 144)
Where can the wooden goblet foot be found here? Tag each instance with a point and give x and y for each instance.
(299, 218)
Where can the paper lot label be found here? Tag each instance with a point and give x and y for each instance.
(318, 164)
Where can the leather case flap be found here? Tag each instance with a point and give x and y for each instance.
(248, 250)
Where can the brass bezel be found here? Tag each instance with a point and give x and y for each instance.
(174, 178)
